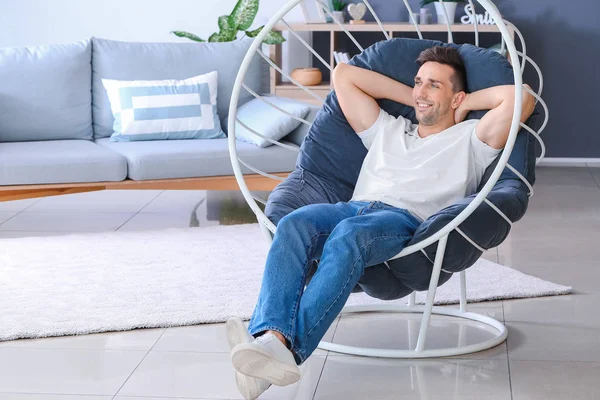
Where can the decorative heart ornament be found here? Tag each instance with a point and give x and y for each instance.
(357, 11)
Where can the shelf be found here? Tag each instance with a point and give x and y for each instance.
(290, 85)
(291, 91)
(287, 89)
(395, 27)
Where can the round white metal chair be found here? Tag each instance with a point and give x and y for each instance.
(518, 60)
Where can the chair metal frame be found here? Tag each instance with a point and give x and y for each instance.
(268, 228)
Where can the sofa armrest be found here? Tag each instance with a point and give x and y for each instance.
(297, 135)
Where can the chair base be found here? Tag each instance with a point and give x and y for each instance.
(445, 352)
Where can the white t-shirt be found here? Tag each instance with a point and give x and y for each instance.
(421, 175)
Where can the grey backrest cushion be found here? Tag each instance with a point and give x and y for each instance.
(157, 61)
(45, 92)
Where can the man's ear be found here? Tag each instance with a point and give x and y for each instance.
(458, 99)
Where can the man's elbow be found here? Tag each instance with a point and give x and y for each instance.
(337, 74)
(528, 102)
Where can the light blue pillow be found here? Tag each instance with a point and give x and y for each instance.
(268, 121)
(164, 110)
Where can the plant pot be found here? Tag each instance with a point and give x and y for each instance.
(339, 16)
(450, 8)
(307, 76)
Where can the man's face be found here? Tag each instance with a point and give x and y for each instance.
(433, 95)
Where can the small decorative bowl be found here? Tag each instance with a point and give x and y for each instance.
(307, 76)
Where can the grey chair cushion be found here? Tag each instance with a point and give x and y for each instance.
(158, 61)
(45, 92)
(59, 161)
(163, 159)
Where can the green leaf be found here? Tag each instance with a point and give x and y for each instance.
(255, 32)
(215, 37)
(338, 5)
(226, 30)
(274, 38)
(271, 38)
(243, 14)
(188, 35)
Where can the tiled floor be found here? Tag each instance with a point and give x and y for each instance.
(552, 351)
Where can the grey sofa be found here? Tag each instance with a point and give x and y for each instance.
(55, 118)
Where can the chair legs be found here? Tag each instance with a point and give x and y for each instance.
(433, 283)
(426, 310)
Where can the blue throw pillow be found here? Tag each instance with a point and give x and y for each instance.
(163, 110)
(268, 121)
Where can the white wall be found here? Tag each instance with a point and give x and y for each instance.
(33, 22)
(37, 22)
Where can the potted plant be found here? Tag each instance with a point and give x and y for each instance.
(337, 7)
(240, 19)
(450, 6)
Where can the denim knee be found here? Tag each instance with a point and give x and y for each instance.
(291, 223)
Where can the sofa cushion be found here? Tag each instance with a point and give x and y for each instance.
(154, 61)
(163, 159)
(45, 92)
(165, 110)
(59, 161)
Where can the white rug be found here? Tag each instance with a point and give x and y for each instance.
(115, 281)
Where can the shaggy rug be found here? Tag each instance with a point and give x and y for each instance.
(114, 281)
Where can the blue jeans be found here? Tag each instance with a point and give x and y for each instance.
(346, 238)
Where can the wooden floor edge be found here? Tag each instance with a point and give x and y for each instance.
(254, 182)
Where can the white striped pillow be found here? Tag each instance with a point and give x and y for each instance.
(164, 110)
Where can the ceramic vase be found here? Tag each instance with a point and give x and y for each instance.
(450, 8)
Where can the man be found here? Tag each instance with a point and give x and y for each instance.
(409, 173)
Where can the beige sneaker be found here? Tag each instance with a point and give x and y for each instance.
(248, 386)
(266, 358)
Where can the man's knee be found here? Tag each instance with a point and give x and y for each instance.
(295, 222)
(344, 240)
(345, 233)
(293, 218)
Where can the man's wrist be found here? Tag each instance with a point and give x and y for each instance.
(463, 108)
(466, 104)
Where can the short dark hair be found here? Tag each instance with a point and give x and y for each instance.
(448, 56)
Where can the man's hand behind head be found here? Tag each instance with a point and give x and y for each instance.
(461, 112)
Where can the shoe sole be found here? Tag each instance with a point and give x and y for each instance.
(257, 363)
(247, 386)
(236, 332)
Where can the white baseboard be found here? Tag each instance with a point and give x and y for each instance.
(570, 162)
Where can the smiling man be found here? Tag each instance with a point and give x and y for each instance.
(427, 166)
(410, 172)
